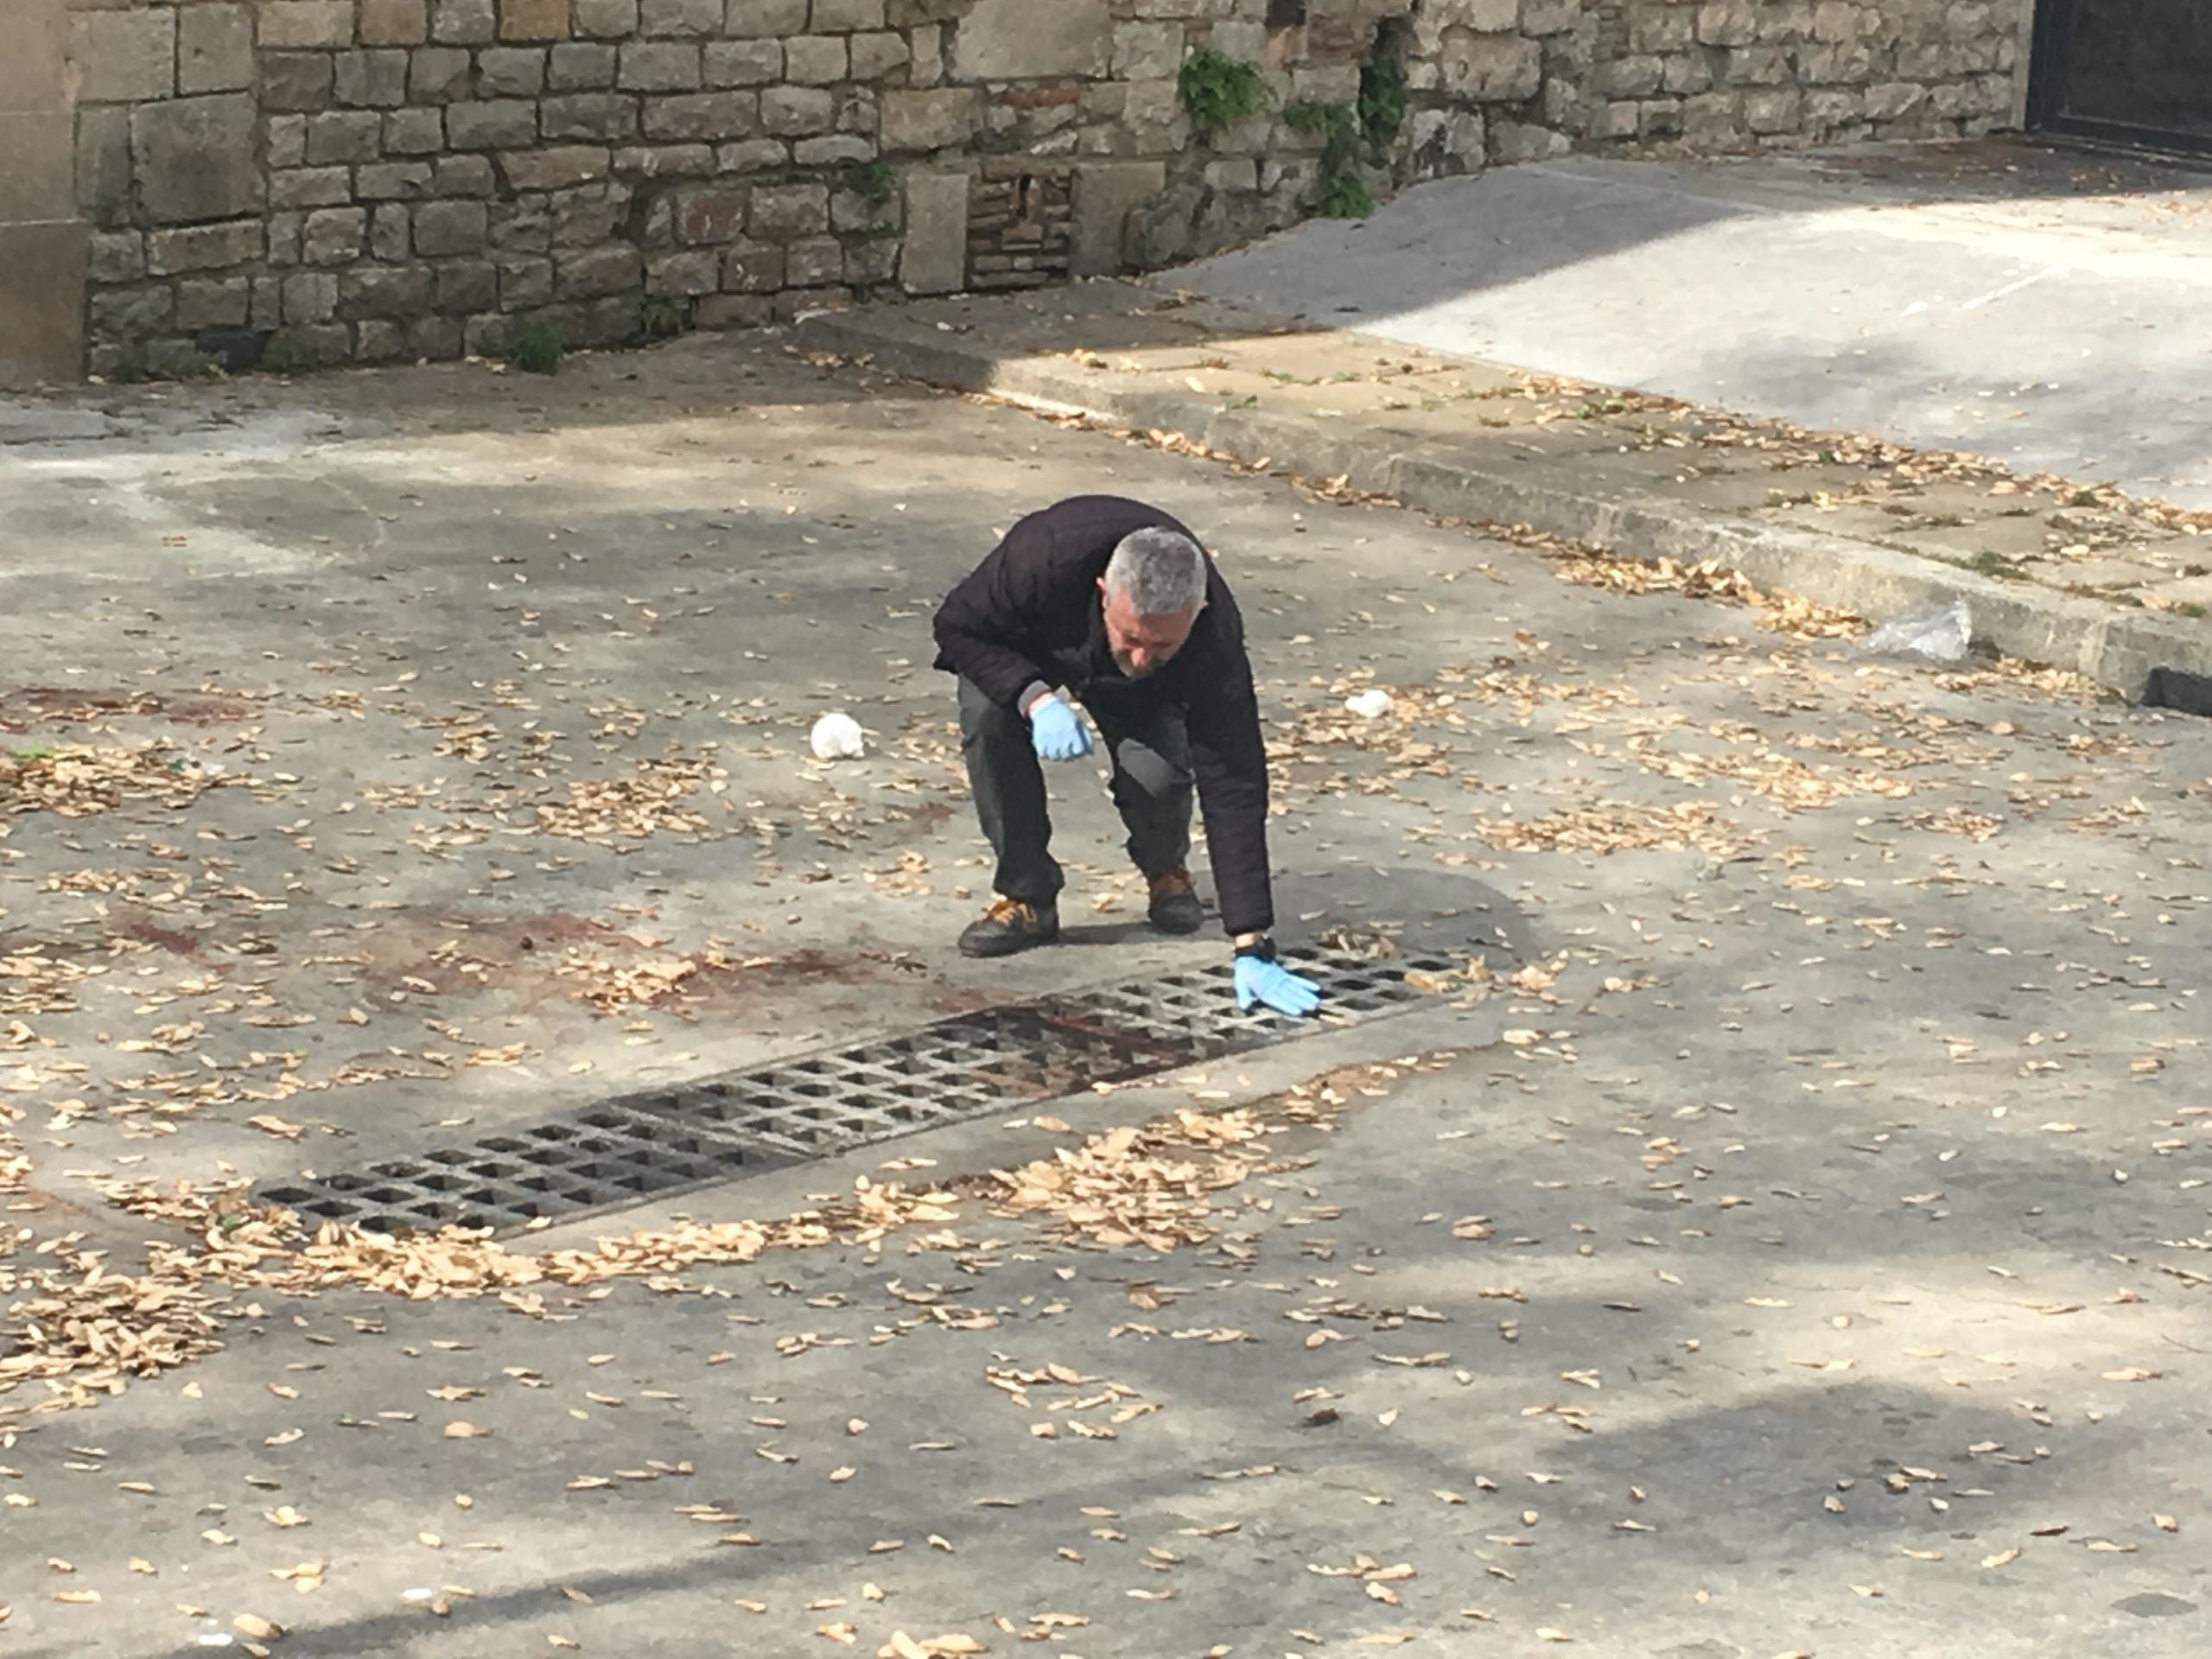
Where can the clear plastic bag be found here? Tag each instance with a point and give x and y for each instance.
(1941, 635)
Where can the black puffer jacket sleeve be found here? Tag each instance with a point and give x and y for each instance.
(1231, 758)
(986, 624)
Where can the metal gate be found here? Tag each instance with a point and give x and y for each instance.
(2133, 71)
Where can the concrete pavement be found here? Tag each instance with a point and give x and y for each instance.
(2043, 307)
(1800, 1247)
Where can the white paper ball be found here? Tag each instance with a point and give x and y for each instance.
(838, 737)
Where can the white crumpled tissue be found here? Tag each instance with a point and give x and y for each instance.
(1371, 704)
(838, 737)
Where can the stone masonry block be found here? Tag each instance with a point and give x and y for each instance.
(395, 22)
(659, 67)
(465, 175)
(743, 63)
(494, 123)
(1105, 192)
(125, 57)
(295, 80)
(938, 120)
(845, 16)
(103, 165)
(333, 236)
(692, 274)
(1635, 75)
(511, 72)
(1664, 28)
(934, 259)
(833, 149)
(396, 294)
(785, 212)
(576, 67)
(195, 158)
(597, 272)
(466, 284)
(606, 20)
(645, 162)
(560, 168)
(927, 46)
(437, 74)
(395, 181)
(414, 132)
(602, 115)
(214, 49)
(1759, 66)
(753, 20)
(1684, 72)
(1728, 22)
(707, 217)
(298, 24)
(791, 111)
(132, 313)
(533, 19)
(204, 247)
(694, 116)
(814, 60)
(1022, 39)
(464, 22)
(753, 268)
(1772, 110)
(876, 55)
(374, 78)
(1503, 68)
(340, 136)
(1837, 21)
(662, 19)
(310, 296)
(311, 187)
(213, 302)
(451, 227)
(1147, 51)
(814, 261)
(117, 257)
(752, 156)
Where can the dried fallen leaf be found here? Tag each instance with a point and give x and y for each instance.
(2003, 1558)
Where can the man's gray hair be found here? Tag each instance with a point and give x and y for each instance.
(1162, 573)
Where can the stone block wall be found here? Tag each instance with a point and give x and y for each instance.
(372, 180)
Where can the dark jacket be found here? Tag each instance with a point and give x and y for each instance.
(1029, 615)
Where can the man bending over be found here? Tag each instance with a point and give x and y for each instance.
(1111, 605)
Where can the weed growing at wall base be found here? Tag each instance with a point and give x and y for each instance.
(662, 316)
(537, 346)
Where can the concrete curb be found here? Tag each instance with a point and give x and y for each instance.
(2136, 653)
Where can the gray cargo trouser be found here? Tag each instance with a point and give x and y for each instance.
(1151, 788)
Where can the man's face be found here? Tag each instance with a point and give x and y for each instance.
(1141, 644)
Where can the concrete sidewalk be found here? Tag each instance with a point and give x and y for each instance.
(2046, 307)
(2052, 569)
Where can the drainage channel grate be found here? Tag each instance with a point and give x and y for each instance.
(649, 1145)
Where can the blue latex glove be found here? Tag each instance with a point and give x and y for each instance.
(1258, 980)
(1058, 731)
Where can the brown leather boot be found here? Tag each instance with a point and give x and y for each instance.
(1175, 906)
(1010, 926)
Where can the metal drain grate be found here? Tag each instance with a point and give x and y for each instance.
(648, 1145)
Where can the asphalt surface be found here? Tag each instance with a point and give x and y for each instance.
(1804, 1253)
